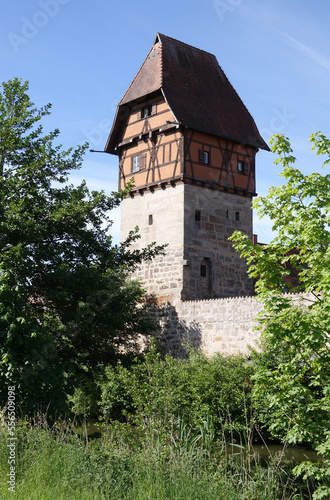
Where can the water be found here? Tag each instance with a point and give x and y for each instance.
(267, 453)
(88, 428)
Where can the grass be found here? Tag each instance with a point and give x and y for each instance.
(54, 463)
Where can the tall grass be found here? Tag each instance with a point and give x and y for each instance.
(54, 463)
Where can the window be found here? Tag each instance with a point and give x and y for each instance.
(139, 162)
(150, 220)
(242, 167)
(197, 215)
(135, 163)
(204, 156)
(146, 111)
(237, 215)
(227, 214)
(203, 271)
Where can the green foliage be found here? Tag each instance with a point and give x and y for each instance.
(292, 383)
(66, 303)
(319, 472)
(29, 361)
(153, 393)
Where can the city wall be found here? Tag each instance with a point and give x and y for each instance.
(216, 325)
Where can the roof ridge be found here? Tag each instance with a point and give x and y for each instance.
(161, 64)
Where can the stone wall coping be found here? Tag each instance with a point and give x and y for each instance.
(245, 298)
(220, 299)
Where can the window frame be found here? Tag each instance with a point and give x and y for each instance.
(204, 156)
(139, 162)
(135, 164)
(242, 167)
(147, 110)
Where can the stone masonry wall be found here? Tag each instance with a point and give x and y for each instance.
(163, 275)
(206, 244)
(159, 217)
(167, 215)
(217, 325)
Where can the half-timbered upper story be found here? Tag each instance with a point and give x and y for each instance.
(181, 121)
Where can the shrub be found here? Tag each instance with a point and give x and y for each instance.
(156, 391)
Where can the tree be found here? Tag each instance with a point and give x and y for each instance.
(65, 302)
(292, 385)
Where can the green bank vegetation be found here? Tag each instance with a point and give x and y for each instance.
(167, 433)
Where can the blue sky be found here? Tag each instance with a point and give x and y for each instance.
(81, 55)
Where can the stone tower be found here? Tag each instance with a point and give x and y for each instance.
(186, 137)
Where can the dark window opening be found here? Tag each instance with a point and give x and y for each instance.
(145, 112)
(150, 220)
(242, 167)
(206, 279)
(227, 214)
(204, 156)
(237, 215)
(197, 215)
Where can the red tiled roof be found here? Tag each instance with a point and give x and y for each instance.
(195, 88)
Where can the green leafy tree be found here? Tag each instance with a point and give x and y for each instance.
(292, 385)
(65, 302)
